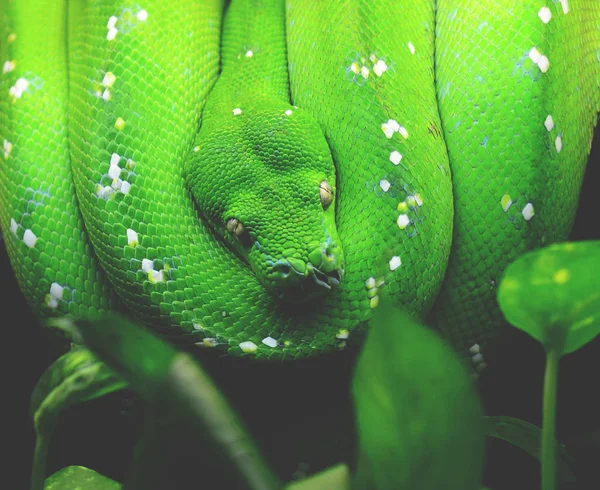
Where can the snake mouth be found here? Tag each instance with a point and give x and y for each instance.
(327, 280)
(299, 281)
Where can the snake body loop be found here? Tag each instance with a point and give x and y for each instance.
(256, 180)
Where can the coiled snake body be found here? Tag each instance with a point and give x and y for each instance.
(257, 184)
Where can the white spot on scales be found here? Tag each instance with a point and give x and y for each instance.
(29, 238)
(395, 157)
(477, 357)
(539, 59)
(270, 342)
(154, 276)
(403, 221)
(142, 15)
(112, 30)
(106, 192)
(18, 88)
(380, 68)
(248, 346)
(544, 64)
(395, 262)
(210, 342)
(528, 211)
(56, 294)
(545, 15)
(391, 126)
(558, 144)
(7, 146)
(111, 34)
(115, 159)
(114, 171)
(8, 66)
(132, 238)
(109, 79)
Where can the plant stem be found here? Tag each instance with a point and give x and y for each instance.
(38, 472)
(548, 453)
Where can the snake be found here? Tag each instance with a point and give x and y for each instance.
(254, 177)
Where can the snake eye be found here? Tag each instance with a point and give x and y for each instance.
(326, 194)
(234, 226)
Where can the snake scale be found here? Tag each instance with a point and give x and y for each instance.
(253, 177)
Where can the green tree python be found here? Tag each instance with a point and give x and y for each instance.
(254, 177)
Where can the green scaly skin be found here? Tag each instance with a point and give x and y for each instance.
(261, 162)
(516, 183)
(393, 98)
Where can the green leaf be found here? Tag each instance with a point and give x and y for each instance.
(419, 419)
(176, 386)
(553, 294)
(528, 437)
(335, 478)
(79, 478)
(75, 377)
(137, 355)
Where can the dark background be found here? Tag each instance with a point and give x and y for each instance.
(300, 414)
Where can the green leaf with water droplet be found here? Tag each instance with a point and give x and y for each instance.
(419, 418)
(75, 377)
(553, 294)
(79, 478)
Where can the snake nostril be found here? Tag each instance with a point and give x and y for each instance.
(283, 269)
(329, 253)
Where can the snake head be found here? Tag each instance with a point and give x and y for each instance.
(266, 186)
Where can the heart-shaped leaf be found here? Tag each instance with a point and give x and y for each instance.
(553, 294)
(419, 419)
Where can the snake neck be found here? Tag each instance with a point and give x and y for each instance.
(254, 60)
(263, 176)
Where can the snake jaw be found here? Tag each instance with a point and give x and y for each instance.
(327, 280)
(301, 281)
